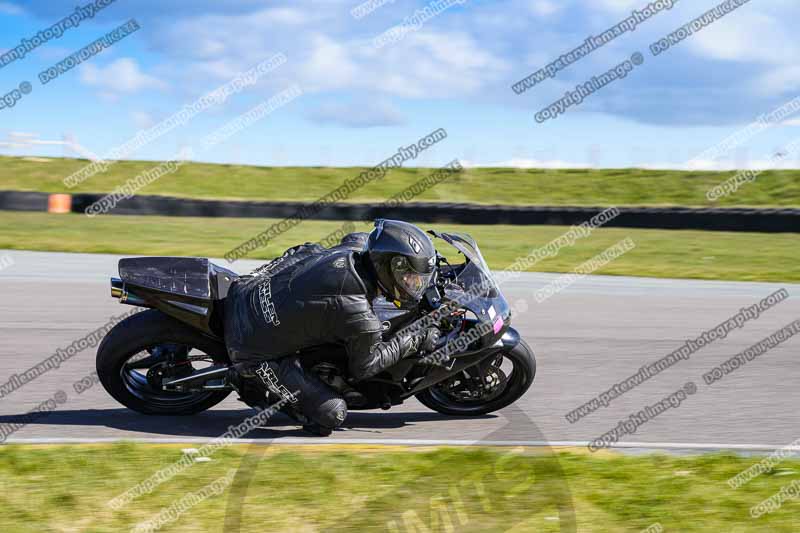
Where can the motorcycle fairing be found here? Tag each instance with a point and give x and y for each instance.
(186, 276)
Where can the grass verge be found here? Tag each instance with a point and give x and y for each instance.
(60, 488)
(658, 253)
(604, 187)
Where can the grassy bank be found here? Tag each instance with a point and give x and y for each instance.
(658, 253)
(57, 488)
(482, 186)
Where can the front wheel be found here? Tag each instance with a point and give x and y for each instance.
(142, 350)
(492, 384)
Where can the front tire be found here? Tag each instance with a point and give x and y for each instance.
(137, 334)
(521, 378)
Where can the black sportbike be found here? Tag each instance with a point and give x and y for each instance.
(171, 358)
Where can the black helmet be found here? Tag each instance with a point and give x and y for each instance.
(403, 258)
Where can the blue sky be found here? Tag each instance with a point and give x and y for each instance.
(454, 72)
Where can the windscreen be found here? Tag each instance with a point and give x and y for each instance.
(474, 287)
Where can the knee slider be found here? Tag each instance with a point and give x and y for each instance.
(331, 413)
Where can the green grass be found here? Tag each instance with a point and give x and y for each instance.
(61, 488)
(482, 186)
(658, 253)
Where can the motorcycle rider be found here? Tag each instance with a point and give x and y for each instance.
(313, 296)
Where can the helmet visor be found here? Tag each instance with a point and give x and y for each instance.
(411, 284)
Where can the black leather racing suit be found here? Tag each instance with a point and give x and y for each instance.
(310, 296)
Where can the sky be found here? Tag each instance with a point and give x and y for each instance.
(453, 69)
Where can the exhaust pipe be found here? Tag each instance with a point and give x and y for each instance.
(117, 288)
(118, 291)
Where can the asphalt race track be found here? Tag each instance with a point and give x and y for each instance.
(586, 338)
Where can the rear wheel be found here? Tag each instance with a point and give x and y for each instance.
(145, 348)
(493, 384)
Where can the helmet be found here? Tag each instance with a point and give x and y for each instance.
(403, 258)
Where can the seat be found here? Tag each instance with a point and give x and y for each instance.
(194, 277)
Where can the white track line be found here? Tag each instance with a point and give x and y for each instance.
(409, 442)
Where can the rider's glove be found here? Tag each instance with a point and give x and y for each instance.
(427, 340)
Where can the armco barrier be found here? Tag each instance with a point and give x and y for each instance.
(716, 219)
(23, 201)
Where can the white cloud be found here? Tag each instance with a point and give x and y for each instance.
(324, 56)
(121, 76)
(444, 63)
(741, 36)
(10, 9)
(285, 15)
(544, 8)
(330, 64)
(753, 37)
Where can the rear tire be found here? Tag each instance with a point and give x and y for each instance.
(137, 333)
(518, 384)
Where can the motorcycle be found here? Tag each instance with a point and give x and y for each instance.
(171, 359)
